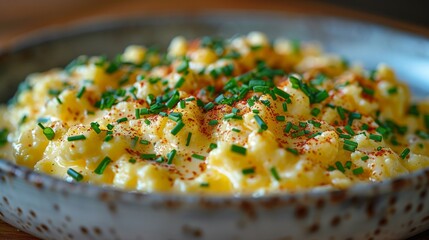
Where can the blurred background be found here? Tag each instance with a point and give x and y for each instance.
(19, 17)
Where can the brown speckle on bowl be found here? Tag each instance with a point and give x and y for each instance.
(84, 230)
(6, 201)
(382, 222)
(33, 214)
(192, 231)
(19, 211)
(408, 207)
(248, 209)
(112, 208)
(424, 219)
(97, 231)
(313, 228)
(301, 212)
(56, 207)
(335, 221)
(44, 227)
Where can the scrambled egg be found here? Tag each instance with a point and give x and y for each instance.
(237, 116)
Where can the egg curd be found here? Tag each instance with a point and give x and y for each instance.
(237, 116)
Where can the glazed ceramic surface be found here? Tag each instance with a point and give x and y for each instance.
(53, 209)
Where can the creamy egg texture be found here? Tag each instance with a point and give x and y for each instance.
(221, 116)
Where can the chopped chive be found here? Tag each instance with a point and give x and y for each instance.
(314, 123)
(102, 166)
(256, 111)
(110, 126)
(340, 166)
(183, 67)
(204, 185)
(364, 158)
(365, 126)
(280, 118)
(75, 175)
(170, 156)
(331, 168)
(148, 156)
(413, 110)
(260, 122)
(173, 100)
(174, 117)
(284, 106)
(120, 120)
(238, 149)
(405, 153)
(281, 93)
(212, 146)
(213, 122)
(199, 157)
(179, 82)
(81, 92)
(236, 130)
(298, 134)
(247, 171)
(182, 104)
(358, 171)
(58, 100)
(426, 120)
(376, 137)
(49, 133)
(188, 139)
(381, 130)
(349, 130)
(379, 148)
(137, 113)
(294, 151)
(321, 96)
(314, 135)
(160, 159)
(177, 128)
(352, 143)
(288, 127)
(348, 164)
(275, 174)
(147, 121)
(144, 142)
(209, 106)
(341, 112)
(368, 91)
(349, 148)
(345, 136)
(132, 160)
(392, 90)
(303, 124)
(76, 138)
(108, 138)
(315, 112)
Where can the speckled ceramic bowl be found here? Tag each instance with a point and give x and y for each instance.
(53, 209)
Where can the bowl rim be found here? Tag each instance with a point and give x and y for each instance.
(41, 180)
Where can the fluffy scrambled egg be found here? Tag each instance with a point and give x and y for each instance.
(237, 116)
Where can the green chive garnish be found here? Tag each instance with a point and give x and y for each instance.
(148, 156)
(208, 106)
(177, 128)
(275, 174)
(341, 112)
(236, 130)
(376, 137)
(364, 158)
(96, 127)
(294, 151)
(260, 122)
(170, 156)
(358, 171)
(405, 153)
(81, 92)
(102, 166)
(238, 149)
(212, 146)
(124, 119)
(247, 171)
(75, 175)
(76, 138)
(188, 139)
(280, 118)
(340, 166)
(199, 157)
(213, 122)
(315, 112)
(349, 130)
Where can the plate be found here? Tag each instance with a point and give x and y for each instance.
(50, 208)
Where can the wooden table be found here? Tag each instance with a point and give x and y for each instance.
(19, 19)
